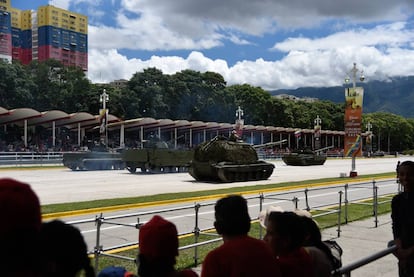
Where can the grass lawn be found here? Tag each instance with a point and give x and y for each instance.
(186, 257)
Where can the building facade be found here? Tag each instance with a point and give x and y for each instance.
(48, 33)
(5, 31)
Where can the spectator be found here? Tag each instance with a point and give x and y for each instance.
(402, 215)
(285, 235)
(158, 249)
(240, 254)
(64, 251)
(19, 230)
(323, 259)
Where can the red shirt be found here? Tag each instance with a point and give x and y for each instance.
(241, 256)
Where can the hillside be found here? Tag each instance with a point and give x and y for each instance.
(395, 96)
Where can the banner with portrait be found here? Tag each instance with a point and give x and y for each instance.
(239, 127)
(317, 134)
(103, 120)
(353, 118)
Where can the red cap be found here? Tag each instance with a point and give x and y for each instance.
(19, 207)
(158, 239)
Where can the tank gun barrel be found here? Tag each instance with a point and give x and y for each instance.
(323, 149)
(207, 145)
(269, 144)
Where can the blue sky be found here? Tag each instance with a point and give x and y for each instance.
(272, 44)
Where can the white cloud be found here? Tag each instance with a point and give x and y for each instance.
(381, 48)
(298, 69)
(383, 35)
(63, 4)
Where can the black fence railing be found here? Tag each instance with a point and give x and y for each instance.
(301, 199)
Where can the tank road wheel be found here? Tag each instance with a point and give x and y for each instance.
(155, 169)
(251, 175)
(143, 169)
(225, 176)
(267, 174)
(241, 176)
(73, 167)
(132, 169)
(262, 174)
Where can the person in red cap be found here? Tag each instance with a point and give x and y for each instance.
(158, 249)
(240, 254)
(19, 229)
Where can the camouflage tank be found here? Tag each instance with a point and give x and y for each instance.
(157, 157)
(224, 160)
(93, 160)
(304, 157)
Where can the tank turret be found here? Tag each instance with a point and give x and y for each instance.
(226, 160)
(95, 159)
(304, 157)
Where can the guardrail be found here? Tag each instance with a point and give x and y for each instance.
(338, 208)
(47, 158)
(30, 158)
(346, 271)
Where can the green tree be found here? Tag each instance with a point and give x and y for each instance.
(254, 101)
(195, 95)
(148, 87)
(391, 132)
(16, 86)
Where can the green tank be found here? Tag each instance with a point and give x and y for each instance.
(93, 160)
(224, 160)
(157, 157)
(304, 157)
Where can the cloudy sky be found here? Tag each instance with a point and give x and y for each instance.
(275, 44)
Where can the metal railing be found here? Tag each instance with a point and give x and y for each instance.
(338, 207)
(346, 271)
(30, 158)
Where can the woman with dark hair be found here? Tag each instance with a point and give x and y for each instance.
(285, 236)
(323, 259)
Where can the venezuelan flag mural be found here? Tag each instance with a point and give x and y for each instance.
(353, 117)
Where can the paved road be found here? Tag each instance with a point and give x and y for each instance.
(62, 185)
(358, 239)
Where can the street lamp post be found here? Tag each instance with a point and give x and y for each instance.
(354, 72)
(369, 138)
(104, 98)
(239, 113)
(238, 128)
(317, 129)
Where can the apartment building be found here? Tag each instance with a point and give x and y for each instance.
(47, 33)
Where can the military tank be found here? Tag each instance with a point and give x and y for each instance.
(157, 157)
(95, 159)
(304, 157)
(224, 160)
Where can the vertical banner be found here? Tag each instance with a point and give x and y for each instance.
(353, 118)
(103, 117)
(239, 127)
(298, 136)
(317, 132)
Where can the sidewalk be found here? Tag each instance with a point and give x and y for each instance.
(360, 239)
